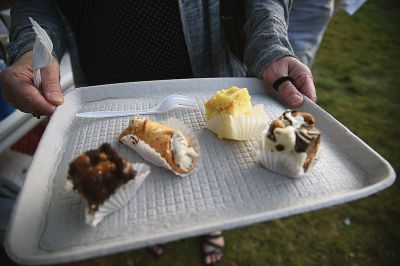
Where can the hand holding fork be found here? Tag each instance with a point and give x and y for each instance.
(41, 95)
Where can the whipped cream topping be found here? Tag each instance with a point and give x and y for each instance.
(183, 154)
(285, 137)
(285, 141)
(295, 121)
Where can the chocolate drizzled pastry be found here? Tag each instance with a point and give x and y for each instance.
(97, 174)
(294, 132)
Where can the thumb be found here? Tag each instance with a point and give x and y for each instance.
(51, 87)
(290, 94)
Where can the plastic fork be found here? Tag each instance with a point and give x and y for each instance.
(168, 103)
(42, 49)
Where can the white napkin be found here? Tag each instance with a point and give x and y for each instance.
(41, 52)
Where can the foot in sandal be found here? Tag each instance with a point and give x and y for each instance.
(213, 248)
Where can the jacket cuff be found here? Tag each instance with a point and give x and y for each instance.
(267, 58)
(20, 46)
(24, 44)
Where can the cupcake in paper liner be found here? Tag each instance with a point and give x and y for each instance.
(170, 144)
(230, 115)
(291, 145)
(105, 180)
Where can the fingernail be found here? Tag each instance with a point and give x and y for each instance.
(55, 97)
(295, 99)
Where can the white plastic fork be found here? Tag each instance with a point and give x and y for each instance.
(166, 104)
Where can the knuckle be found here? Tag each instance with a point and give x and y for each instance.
(308, 75)
(304, 77)
(51, 84)
(29, 99)
(20, 73)
(51, 88)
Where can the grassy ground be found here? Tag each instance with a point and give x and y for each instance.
(356, 73)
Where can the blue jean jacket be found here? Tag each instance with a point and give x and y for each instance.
(265, 34)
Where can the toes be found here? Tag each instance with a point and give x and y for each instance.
(157, 250)
(208, 260)
(213, 247)
(213, 259)
(218, 257)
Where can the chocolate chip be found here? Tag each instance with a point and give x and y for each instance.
(279, 147)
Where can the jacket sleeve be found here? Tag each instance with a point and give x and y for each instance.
(266, 34)
(22, 36)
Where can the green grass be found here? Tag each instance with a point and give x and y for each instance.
(357, 73)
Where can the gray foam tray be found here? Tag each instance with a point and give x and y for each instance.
(230, 189)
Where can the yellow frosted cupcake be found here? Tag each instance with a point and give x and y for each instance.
(230, 115)
(233, 101)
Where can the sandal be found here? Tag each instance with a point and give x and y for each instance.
(215, 250)
(156, 250)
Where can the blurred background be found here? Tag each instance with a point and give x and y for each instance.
(356, 73)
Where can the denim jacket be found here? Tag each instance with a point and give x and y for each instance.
(264, 32)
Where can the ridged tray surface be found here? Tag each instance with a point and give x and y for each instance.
(229, 189)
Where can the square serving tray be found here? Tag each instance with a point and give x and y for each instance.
(230, 188)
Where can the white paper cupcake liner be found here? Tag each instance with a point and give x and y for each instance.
(243, 127)
(150, 154)
(282, 162)
(119, 199)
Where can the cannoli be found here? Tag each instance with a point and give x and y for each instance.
(169, 143)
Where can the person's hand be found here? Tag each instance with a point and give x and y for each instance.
(18, 88)
(291, 92)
